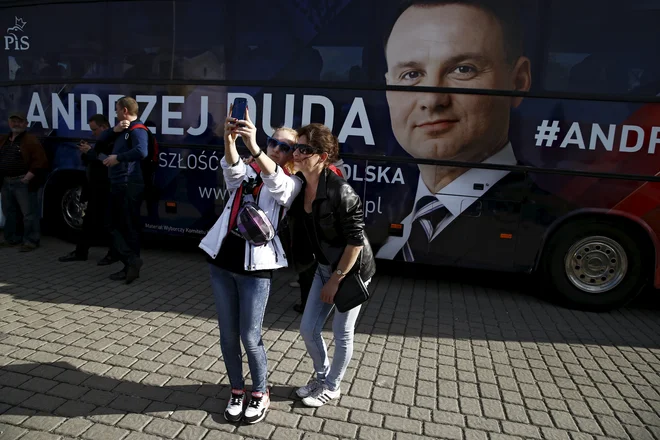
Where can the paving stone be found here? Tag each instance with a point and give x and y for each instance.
(43, 422)
(9, 432)
(260, 430)
(37, 435)
(192, 433)
(369, 433)
(142, 436)
(68, 391)
(16, 415)
(219, 435)
(432, 360)
(189, 416)
(314, 424)
(401, 424)
(74, 408)
(73, 427)
(99, 431)
(164, 428)
(42, 402)
(313, 436)
(340, 429)
(134, 422)
(282, 433)
(521, 429)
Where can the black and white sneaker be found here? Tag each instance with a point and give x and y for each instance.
(256, 409)
(309, 389)
(234, 411)
(320, 397)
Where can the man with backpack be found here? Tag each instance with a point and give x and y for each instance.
(130, 156)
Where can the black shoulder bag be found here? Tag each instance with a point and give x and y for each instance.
(352, 289)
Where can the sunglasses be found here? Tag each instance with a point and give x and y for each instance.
(274, 143)
(307, 149)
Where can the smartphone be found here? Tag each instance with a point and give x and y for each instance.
(238, 110)
(102, 156)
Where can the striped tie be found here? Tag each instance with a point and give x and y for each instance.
(422, 228)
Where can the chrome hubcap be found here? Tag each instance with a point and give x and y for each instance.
(73, 209)
(596, 264)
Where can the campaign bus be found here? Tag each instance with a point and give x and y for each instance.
(509, 135)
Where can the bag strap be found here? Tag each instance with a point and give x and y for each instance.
(235, 207)
(142, 126)
(149, 134)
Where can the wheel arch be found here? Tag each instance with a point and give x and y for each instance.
(57, 177)
(641, 228)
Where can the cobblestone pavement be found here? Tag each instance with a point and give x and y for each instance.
(85, 357)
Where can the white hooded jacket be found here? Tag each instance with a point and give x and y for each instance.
(278, 190)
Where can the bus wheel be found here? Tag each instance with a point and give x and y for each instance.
(72, 209)
(595, 265)
(65, 211)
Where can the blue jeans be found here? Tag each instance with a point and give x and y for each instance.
(16, 198)
(343, 327)
(240, 302)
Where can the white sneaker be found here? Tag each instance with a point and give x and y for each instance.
(320, 397)
(294, 284)
(256, 409)
(234, 411)
(308, 389)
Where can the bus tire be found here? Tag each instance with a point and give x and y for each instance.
(64, 212)
(594, 265)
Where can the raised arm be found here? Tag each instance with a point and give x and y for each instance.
(283, 188)
(233, 168)
(246, 129)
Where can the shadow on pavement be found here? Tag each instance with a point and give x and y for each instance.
(60, 389)
(407, 300)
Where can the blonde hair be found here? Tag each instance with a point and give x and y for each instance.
(289, 166)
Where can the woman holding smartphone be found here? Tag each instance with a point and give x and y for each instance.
(326, 223)
(240, 271)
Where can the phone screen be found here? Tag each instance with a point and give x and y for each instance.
(238, 110)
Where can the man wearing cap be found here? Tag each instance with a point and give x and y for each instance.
(22, 162)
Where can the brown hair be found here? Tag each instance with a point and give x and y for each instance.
(320, 136)
(128, 103)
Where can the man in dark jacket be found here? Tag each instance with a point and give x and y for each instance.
(23, 163)
(130, 147)
(96, 192)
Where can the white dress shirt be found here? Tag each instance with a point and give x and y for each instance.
(456, 197)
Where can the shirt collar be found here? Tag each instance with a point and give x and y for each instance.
(453, 195)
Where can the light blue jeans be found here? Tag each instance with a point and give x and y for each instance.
(240, 301)
(343, 327)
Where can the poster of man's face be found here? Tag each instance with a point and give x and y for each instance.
(454, 44)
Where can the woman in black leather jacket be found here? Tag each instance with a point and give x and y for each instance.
(326, 226)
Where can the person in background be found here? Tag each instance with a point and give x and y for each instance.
(23, 163)
(130, 147)
(96, 192)
(241, 272)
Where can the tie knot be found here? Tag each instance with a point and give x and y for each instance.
(426, 205)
